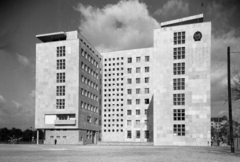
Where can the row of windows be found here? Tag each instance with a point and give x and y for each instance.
(179, 53)
(112, 105)
(138, 80)
(60, 104)
(113, 59)
(113, 115)
(89, 58)
(89, 120)
(61, 51)
(129, 112)
(117, 130)
(105, 110)
(138, 134)
(89, 107)
(117, 74)
(60, 91)
(89, 83)
(179, 38)
(113, 125)
(61, 77)
(117, 89)
(89, 70)
(114, 79)
(113, 64)
(61, 64)
(89, 95)
(138, 91)
(146, 101)
(105, 100)
(138, 59)
(113, 69)
(117, 84)
(58, 137)
(137, 122)
(138, 70)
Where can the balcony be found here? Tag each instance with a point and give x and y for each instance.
(65, 122)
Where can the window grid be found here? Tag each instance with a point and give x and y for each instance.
(179, 53)
(61, 64)
(179, 37)
(179, 99)
(179, 84)
(60, 90)
(178, 114)
(60, 77)
(179, 68)
(179, 129)
(61, 51)
(60, 104)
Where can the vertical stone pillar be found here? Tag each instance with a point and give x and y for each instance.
(37, 136)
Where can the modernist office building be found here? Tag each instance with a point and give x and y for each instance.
(159, 94)
(68, 88)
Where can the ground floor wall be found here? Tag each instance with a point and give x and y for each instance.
(66, 136)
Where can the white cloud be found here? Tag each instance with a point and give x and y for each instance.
(2, 99)
(23, 60)
(125, 25)
(17, 104)
(172, 8)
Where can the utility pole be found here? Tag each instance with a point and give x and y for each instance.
(230, 100)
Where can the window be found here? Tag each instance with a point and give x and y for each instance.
(89, 119)
(60, 77)
(129, 70)
(145, 122)
(129, 134)
(179, 53)
(179, 99)
(146, 111)
(129, 101)
(179, 38)
(138, 80)
(129, 81)
(138, 59)
(146, 90)
(138, 112)
(129, 122)
(179, 129)
(96, 121)
(179, 84)
(138, 70)
(129, 112)
(146, 101)
(137, 101)
(60, 104)
(178, 114)
(129, 91)
(146, 69)
(138, 91)
(179, 68)
(147, 80)
(61, 51)
(146, 134)
(137, 122)
(61, 64)
(60, 90)
(137, 134)
(129, 60)
(147, 58)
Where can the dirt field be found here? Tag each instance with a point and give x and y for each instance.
(73, 153)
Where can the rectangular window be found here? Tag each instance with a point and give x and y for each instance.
(137, 112)
(145, 122)
(137, 134)
(96, 121)
(179, 37)
(129, 70)
(147, 58)
(179, 68)
(138, 80)
(138, 70)
(129, 91)
(147, 80)
(147, 69)
(138, 59)
(137, 122)
(146, 111)
(179, 84)
(89, 119)
(147, 134)
(146, 90)
(129, 101)
(146, 101)
(179, 53)
(179, 129)
(129, 60)
(129, 112)
(138, 91)
(61, 64)
(60, 104)
(178, 114)
(179, 99)
(137, 101)
(129, 81)
(60, 90)
(61, 51)
(60, 77)
(129, 134)
(129, 122)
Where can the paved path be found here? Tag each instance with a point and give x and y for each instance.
(75, 153)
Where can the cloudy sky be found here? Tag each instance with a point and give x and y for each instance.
(109, 25)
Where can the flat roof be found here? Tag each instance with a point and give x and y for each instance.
(182, 21)
(50, 37)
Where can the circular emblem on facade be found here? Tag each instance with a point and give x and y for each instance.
(197, 36)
